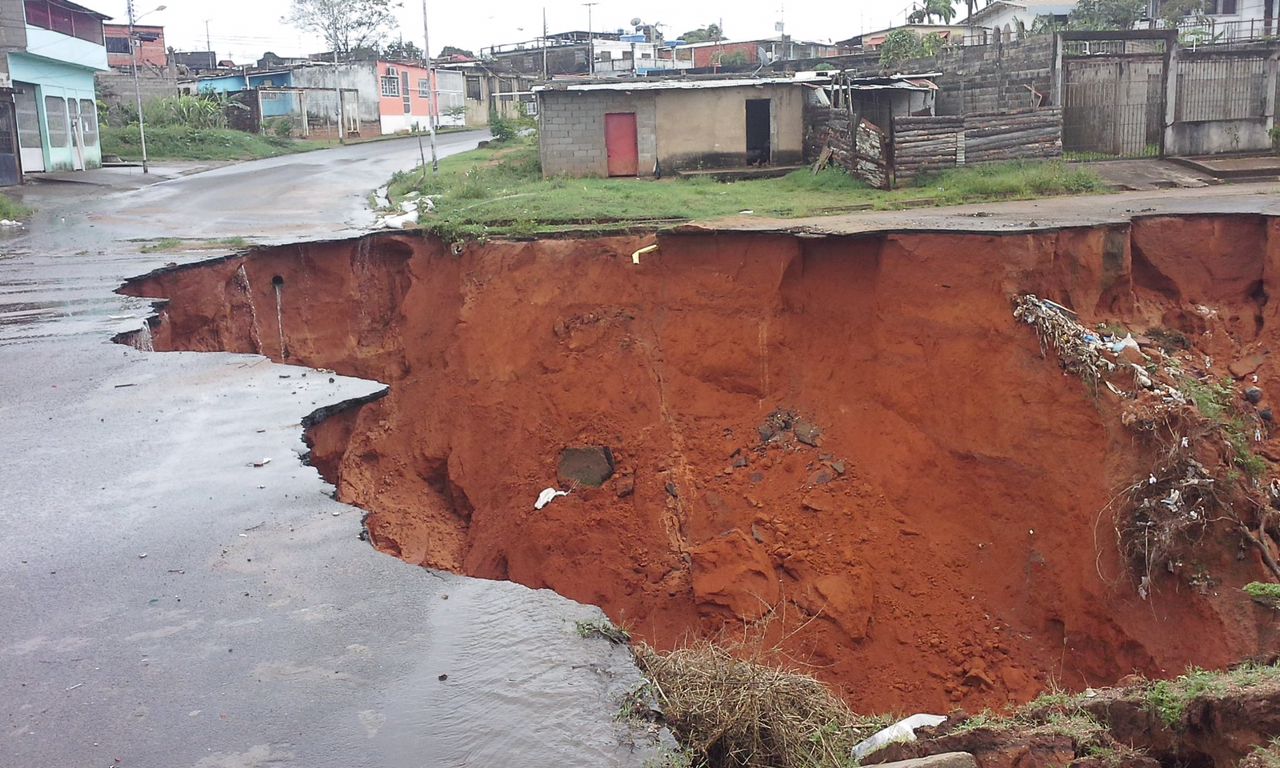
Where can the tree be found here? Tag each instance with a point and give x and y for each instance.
(943, 9)
(345, 25)
(450, 50)
(1107, 14)
(399, 49)
(1174, 11)
(706, 34)
(898, 46)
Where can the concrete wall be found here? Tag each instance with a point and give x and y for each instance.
(1224, 101)
(708, 128)
(116, 87)
(571, 135)
(676, 129)
(361, 77)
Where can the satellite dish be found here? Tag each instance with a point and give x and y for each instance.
(635, 22)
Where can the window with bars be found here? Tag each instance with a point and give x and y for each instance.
(390, 86)
(118, 45)
(424, 89)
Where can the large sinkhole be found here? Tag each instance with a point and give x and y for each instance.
(849, 441)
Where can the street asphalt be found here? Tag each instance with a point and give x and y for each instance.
(165, 602)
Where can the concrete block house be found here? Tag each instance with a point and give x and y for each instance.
(51, 51)
(648, 128)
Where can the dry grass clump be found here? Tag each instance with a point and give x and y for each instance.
(729, 712)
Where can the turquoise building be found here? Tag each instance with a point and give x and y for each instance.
(54, 96)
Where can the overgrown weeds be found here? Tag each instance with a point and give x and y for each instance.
(12, 209)
(729, 711)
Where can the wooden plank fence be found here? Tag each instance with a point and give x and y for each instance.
(924, 145)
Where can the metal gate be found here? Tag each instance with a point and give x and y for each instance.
(1113, 107)
(10, 171)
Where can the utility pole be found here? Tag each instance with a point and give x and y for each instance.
(544, 44)
(137, 89)
(208, 41)
(432, 108)
(591, 39)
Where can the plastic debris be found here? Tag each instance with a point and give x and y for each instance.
(547, 496)
(262, 462)
(901, 731)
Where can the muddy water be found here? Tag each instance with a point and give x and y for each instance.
(940, 542)
(512, 664)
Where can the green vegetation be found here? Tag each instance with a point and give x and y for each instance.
(903, 44)
(195, 128)
(1266, 593)
(174, 142)
(1215, 401)
(1169, 698)
(12, 209)
(167, 244)
(500, 191)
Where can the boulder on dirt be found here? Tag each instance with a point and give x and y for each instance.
(586, 466)
(1246, 365)
(807, 433)
(1253, 395)
(944, 760)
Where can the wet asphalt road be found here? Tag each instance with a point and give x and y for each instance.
(166, 604)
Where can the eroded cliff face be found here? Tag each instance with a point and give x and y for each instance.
(943, 540)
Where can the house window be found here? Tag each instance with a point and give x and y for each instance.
(118, 45)
(473, 88)
(55, 118)
(89, 122)
(404, 84)
(424, 89)
(390, 86)
(407, 107)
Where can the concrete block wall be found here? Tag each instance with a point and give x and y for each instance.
(991, 78)
(116, 86)
(571, 130)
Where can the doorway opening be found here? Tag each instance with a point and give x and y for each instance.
(759, 122)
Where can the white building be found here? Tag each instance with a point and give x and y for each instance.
(1007, 20)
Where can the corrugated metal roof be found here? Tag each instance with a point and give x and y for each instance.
(916, 82)
(664, 85)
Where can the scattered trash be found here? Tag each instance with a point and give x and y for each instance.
(10, 223)
(901, 731)
(142, 555)
(73, 687)
(262, 463)
(547, 496)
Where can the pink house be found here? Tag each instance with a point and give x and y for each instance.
(405, 90)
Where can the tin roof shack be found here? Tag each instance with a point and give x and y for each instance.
(651, 128)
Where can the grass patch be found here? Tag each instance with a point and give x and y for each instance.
(12, 209)
(499, 191)
(1169, 698)
(178, 142)
(1266, 593)
(168, 244)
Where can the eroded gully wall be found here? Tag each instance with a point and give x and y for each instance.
(964, 556)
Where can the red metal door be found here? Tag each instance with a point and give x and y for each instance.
(620, 143)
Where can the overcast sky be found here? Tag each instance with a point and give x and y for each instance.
(242, 29)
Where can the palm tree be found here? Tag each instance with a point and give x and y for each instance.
(943, 9)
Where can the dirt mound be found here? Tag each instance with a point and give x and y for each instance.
(853, 436)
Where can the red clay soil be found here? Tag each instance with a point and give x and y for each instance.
(962, 557)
